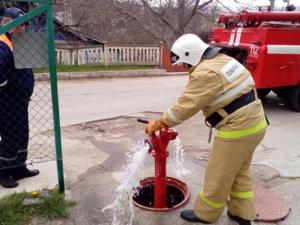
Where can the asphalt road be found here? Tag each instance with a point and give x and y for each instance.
(89, 100)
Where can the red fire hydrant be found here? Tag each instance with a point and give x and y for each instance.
(161, 192)
(158, 147)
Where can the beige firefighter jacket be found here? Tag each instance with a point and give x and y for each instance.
(213, 84)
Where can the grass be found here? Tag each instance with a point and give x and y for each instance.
(94, 67)
(13, 212)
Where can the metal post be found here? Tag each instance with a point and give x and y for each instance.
(160, 178)
(105, 51)
(54, 93)
(160, 153)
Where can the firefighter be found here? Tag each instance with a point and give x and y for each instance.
(225, 92)
(16, 87)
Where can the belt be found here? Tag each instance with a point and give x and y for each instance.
(245, 99)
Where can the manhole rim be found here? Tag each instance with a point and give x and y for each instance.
(171, 181)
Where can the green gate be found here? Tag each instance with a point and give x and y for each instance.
(35, 49)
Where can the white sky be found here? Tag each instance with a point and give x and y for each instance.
(278, 3)
(267, 2)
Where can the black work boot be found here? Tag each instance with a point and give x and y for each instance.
(238, 219)
(7, 181)
(23, 172)
(190, 216)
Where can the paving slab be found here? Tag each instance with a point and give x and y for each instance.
(46, 179)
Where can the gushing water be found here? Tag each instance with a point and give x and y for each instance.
(123, 206)
(179, 151)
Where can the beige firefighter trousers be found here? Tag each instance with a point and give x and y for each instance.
(228, 180)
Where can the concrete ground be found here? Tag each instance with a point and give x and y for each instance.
(95, 154)
(101, 147)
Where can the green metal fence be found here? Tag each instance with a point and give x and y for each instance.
(33, 48)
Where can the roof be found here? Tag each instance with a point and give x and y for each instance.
(60, 26)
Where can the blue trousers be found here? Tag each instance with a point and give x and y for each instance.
(14, 131)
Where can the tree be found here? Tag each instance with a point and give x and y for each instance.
(167, 20)
(101, 20)
(139, 21)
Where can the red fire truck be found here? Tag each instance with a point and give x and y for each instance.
(268, 43)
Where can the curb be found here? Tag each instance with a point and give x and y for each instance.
(107, 74)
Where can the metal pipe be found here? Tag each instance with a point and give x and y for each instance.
(160, 153)
(54, 93)
(269, 16)
(259, 16)
(142, 121)
(157, 145)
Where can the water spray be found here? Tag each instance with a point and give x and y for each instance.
(161, 193)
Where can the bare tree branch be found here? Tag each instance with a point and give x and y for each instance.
(194, 10)
(136, 18)
(204, 4)
(161, 17)
(162, 20)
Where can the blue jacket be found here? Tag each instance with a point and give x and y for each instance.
(20, 82)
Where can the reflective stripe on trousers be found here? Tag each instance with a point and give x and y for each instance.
(219, 205)
(212, 204)
(242, 133)
(228, 178)
(242, 194)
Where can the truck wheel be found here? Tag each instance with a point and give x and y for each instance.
(262, 93)
(295, 98)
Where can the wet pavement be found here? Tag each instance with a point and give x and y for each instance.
(95, 152)
(96, 155)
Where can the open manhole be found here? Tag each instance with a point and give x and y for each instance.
(177, 194)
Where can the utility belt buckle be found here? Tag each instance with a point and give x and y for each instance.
(208, 123)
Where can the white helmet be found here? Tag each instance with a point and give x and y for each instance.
(189, 49)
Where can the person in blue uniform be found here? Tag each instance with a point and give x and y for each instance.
(16, 88)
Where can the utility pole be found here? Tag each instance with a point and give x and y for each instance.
(272, 4)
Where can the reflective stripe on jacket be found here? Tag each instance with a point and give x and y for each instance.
(6, 40)
(213, 84)
(5, 50)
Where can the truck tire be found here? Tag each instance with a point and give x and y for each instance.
(295, 98)
(286, 94)
(262, 93)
